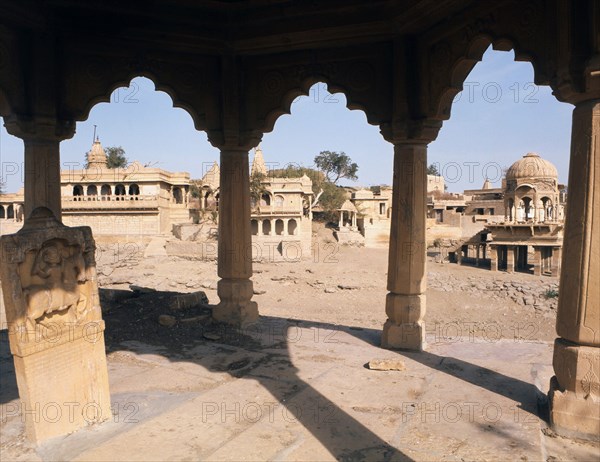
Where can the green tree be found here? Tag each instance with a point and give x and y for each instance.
(327, 195)
(116, 157)
(336, 165)
(433, 170)
(195, 188)
(257, 187)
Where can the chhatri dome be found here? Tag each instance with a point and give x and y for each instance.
(531, 166)
(96, 157)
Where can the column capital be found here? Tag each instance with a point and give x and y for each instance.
(232, 140)
(587, 87)
(39, 128)
(408, 131)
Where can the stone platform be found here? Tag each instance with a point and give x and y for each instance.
(300, 390)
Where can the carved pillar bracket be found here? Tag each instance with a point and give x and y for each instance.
(235, 241)
(575, 388)
(41, 137)
(405, 302)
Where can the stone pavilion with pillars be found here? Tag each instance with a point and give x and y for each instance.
(402, 63)
(534, 219)
(281, 218)
(135, 200)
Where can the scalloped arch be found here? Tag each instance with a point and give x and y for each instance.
(473, 55)
(104, 97)
(304, 90)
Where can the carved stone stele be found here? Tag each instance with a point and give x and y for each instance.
(55, 326)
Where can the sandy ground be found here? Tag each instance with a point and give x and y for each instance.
(346, 286)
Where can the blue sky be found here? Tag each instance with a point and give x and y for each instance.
(499, 117)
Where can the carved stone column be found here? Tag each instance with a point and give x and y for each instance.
(235, 242)
(575, 388)
(405, 302)
(41, 137)
(55, 326)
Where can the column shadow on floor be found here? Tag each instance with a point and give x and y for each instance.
(343, 436)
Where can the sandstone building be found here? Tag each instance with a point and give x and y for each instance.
(374, 207)
(529, 236)
(281, 211)
(136, 200)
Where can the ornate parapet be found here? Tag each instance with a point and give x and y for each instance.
(56, 331)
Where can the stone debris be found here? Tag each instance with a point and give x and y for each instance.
(211, 336)
(541, 294)
(201, 318)
(387, 365)
(283, 278)
(141, 290)
(185, 301)
(167, 320)
(259, 292)
(330, 290)
(348, 287)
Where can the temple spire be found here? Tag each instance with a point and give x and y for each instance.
(96, 157)
(258, 163)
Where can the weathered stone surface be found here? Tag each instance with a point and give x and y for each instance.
(183, 301)
(56, 337)
(211, 336)
(167, 320)
(193, 319)
(387, 365)
(575, 393)
(141, 289)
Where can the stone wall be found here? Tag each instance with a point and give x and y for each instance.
(377, 234)
(121, 225)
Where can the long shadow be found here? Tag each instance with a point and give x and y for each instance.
(480, 376)
(343, 436)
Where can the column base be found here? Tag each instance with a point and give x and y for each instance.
(404, 328)
(573, 417)
(575, 391)
(236, 307)
(409, 336)
(63, 389)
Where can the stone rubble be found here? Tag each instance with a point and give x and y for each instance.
(542, 294)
